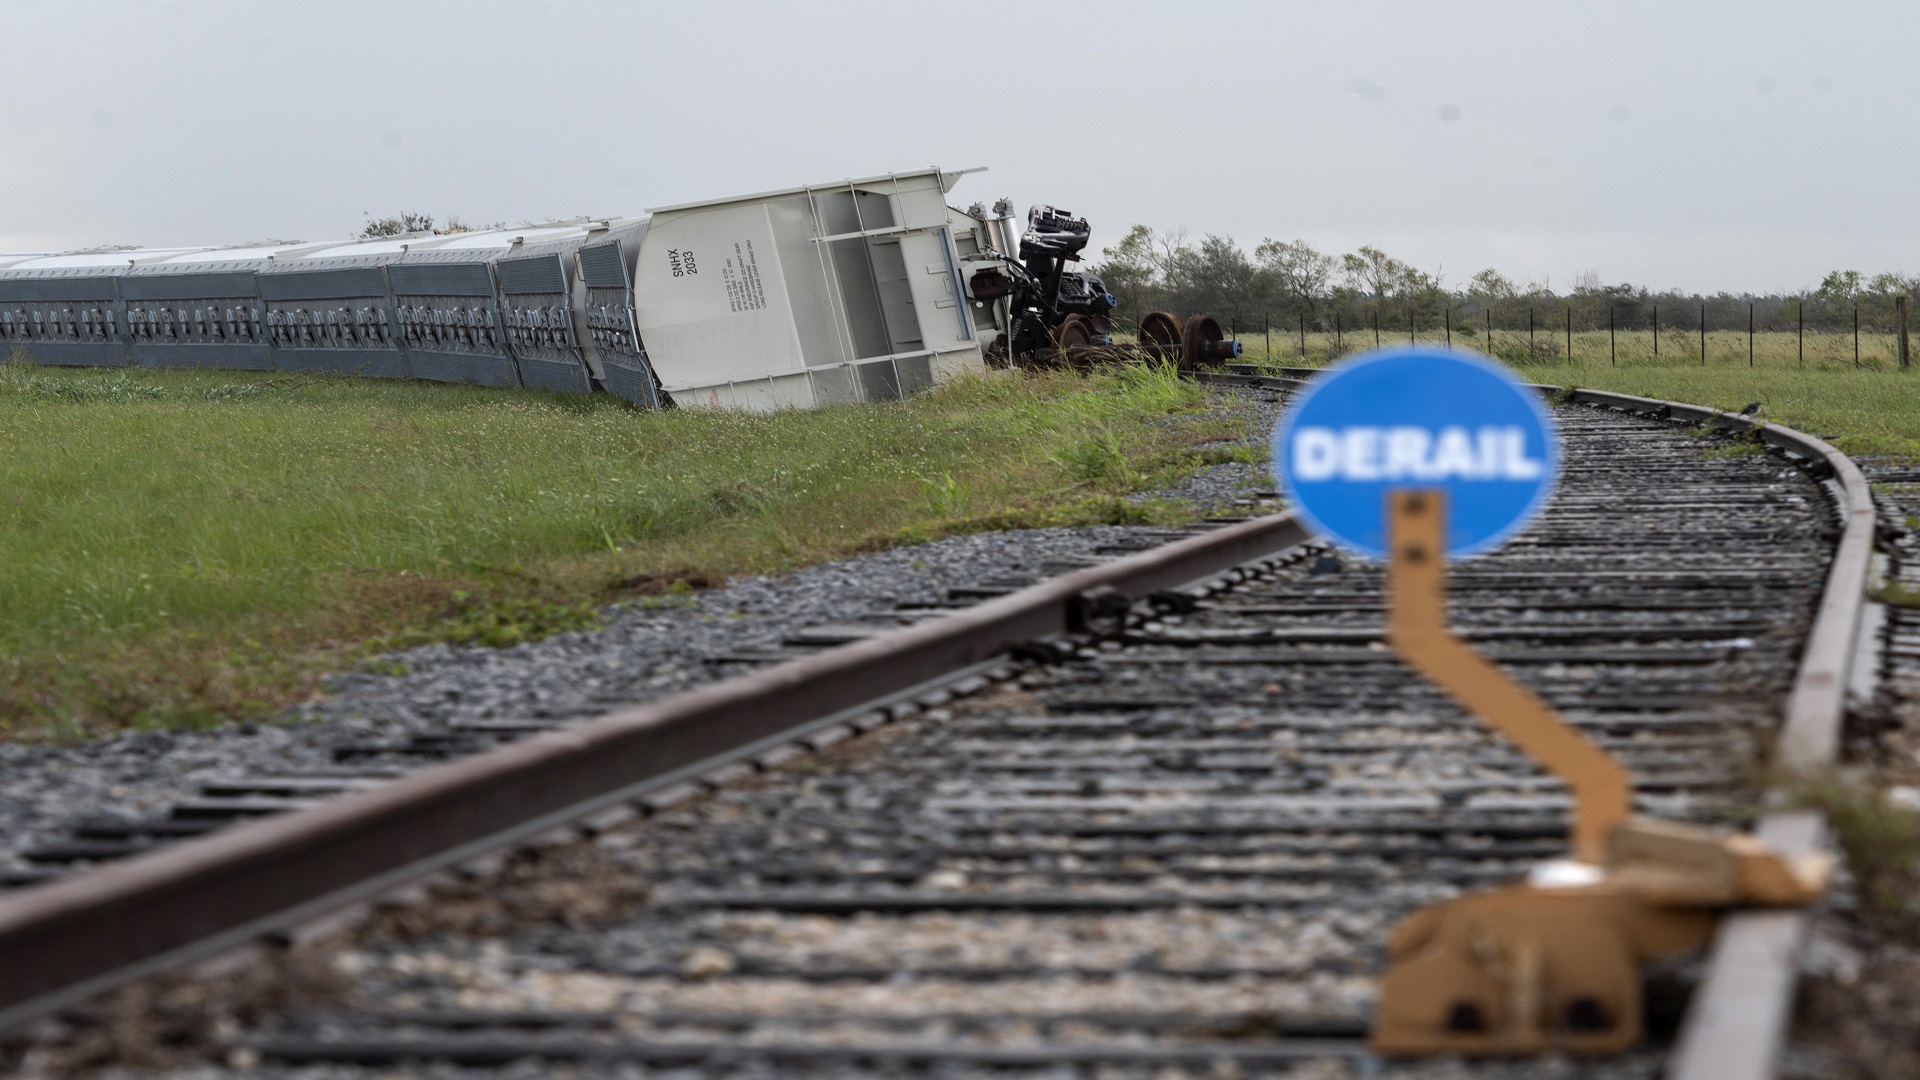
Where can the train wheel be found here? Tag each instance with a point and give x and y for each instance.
(1159, 333)
(1073, 342)
(1197, 339)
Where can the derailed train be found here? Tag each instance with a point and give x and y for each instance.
(857, 290)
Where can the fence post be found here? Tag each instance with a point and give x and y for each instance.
(1266, 331)
(1410, 339)
(1703, 335)
(1339, 341)
(1569, 331)
(1448, 313)
(1801, 341)
(1303, 337)
(1856, 333)
(1531, 356)
(1376, 327)
(1903, 332)
(1613, 354)
(1656, 331)
(1749, 335)
(1489, 328)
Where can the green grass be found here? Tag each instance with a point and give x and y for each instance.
(1866, 412)
(1892, 592)
(1881, 842)
(183, 547)
(1873, 409)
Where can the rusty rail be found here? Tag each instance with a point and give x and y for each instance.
(71, 938)
(1738, 1019)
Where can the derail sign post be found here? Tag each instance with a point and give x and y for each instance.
(1417, 418)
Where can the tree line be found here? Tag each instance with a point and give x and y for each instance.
(407, 222)
(1288, 283)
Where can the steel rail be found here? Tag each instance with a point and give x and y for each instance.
(1238, 378)
(74, 937)
(1737, 1022)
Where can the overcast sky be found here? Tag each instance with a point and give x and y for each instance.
(1747, 145)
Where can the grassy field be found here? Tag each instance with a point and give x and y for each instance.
(1861, 412)
(183, 547)
(1873, 409)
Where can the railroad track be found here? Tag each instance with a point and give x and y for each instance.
(1151, 815)
(354, 760)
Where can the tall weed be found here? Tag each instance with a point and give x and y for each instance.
(1156, 387)
(946, 497)
(1881, 842)
(1099, 458)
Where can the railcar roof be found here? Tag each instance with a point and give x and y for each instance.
(481, 243)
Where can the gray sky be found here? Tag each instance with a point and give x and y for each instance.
(1747, 145)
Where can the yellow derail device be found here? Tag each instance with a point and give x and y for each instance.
(1414, 456)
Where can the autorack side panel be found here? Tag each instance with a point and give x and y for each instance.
(203, 317)
(614, 340)
(539, 320)
(66, 317)
(448, 309)
(326, 316)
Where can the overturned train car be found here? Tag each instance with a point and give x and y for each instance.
(857, 290)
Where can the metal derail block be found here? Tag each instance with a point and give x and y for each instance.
(1554, 963)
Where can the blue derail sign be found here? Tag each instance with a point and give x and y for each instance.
(1417, 418)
